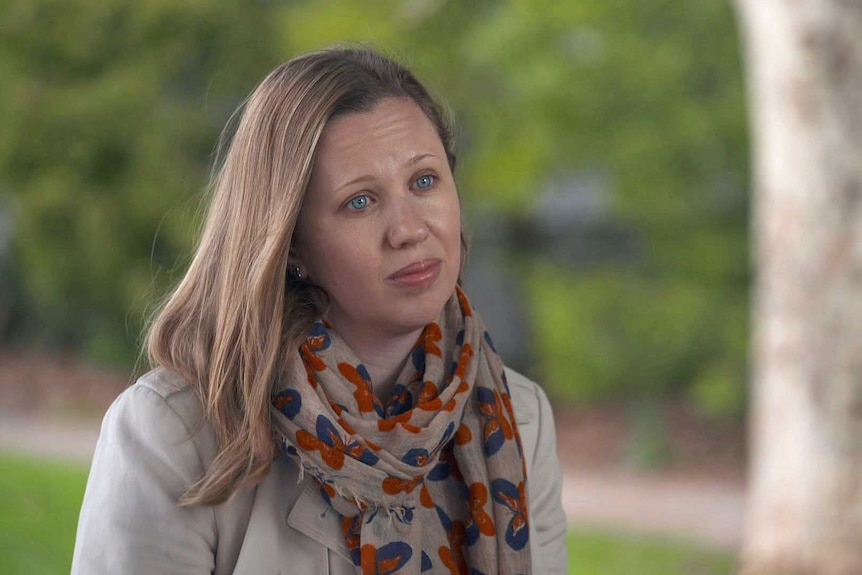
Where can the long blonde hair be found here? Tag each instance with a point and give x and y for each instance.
(233, 323)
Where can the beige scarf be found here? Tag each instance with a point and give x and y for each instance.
(432, 480)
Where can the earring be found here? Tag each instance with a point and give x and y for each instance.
(296, 271)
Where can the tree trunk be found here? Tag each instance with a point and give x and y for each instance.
(804, 61)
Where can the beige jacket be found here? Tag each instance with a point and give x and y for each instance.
(130, 522)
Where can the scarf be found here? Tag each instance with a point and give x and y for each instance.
(431, 480)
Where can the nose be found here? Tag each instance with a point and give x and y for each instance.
(407, 225)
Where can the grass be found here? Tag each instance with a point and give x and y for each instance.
(40, 502)
(600, 553)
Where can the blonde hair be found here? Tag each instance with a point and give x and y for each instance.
(235, 321)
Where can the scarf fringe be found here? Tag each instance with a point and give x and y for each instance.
(401, 513)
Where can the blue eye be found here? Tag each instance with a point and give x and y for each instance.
(359, 202)
(424, 182)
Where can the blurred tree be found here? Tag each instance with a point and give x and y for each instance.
(647, 93)
(110, 111)
(805, 75)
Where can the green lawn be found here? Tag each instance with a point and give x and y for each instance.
(40, 502)
(605, 553)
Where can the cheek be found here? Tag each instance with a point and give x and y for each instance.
(342, 261)
(453, 228)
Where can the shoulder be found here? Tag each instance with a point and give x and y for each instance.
(171, 388)
(152, 446)
(529, 402)
(161, 404)
(534, 418)
(535, 422)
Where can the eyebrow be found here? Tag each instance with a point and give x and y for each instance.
(367, 178)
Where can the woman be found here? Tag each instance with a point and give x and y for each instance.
(325, 398)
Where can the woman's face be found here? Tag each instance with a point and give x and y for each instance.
(380, 224)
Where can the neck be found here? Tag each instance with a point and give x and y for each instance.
(384, 357)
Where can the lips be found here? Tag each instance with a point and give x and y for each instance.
(418, 274)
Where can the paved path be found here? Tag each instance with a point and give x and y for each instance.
(72, 441)
(708, 513)
(698, 511)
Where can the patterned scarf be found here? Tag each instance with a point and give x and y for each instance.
(433, 479)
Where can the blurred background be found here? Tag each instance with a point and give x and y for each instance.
(603, 165)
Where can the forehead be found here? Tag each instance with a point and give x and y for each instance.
(395, 130)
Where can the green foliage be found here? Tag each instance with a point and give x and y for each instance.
(40, 502)
(648, 444)
(612, 332)
(110, 113)
(718, 393)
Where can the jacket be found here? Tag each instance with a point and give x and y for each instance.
(154, 444)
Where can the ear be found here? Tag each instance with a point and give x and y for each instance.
(295, 267)
(293, 258)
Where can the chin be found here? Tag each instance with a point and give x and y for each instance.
(417, 315)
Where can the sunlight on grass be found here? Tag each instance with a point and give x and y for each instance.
(40, 502)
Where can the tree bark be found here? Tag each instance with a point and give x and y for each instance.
(804, 65)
